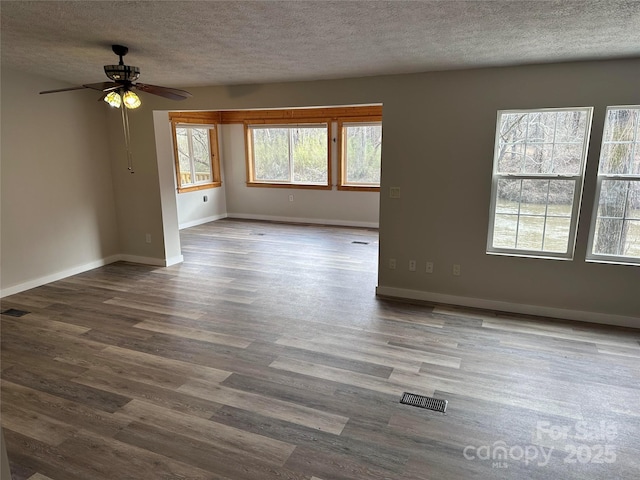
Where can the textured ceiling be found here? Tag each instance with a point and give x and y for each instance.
(197, 43)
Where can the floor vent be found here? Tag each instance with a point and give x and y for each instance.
(14, 312)
(357, 242)
(421, 401)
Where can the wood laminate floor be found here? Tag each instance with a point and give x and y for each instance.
(265, 355)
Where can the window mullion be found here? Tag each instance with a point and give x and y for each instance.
(191, 154)
(291, 171)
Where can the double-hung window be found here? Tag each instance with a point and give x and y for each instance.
(196, 156)
(538, 172)
(360, 154)
(288, 155)
(615, 227)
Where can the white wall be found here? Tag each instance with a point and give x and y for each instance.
(235, 199)
(58, 214)
(314, 206)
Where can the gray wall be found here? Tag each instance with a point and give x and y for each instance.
(58, 214)
(438, 145)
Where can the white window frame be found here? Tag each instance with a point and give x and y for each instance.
(577, 194)
(608, 258)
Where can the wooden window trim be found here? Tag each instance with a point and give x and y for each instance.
(248, 142)
(206, 119)
(342, 165)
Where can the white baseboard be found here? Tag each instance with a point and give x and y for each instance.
(315, 221)
(173, 260)
(200, 221)
(578, 315)
(156, 262)
(38, 282)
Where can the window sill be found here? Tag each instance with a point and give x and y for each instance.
(194, 188)
(359, 188)
(289, 185)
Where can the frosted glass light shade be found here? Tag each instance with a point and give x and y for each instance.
(131, 100)
(113, 99)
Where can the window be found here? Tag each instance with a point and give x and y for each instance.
(196, 157)
(615, 228)
(360, 155)
(284, 155)
(538, 171)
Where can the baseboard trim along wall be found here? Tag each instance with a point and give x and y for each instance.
(315, 221)
(38, 282)
(577, 315)
(200, 221)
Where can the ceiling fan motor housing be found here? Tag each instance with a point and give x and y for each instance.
(122, 73)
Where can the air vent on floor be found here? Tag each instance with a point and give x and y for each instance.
(421, 401)
(14, 312)
(357, 242)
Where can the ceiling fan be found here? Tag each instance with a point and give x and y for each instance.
(120, 91)
(122, 77)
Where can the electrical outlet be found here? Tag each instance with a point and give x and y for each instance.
(148, 238)
(412, 265)
(291, 198)
(456, 270)
(392, 263)
(394, 192)
(429, 268)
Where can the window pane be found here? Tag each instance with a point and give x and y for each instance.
(633, 201)
(620, 124)
(542, 142)
(363, 153)
(542, 126)
(571, 126)
(561, 193)
(504, 231)
(615, 158)
(534, 196)
(201, 155)
(508, 199)
(182, 141)
(613, 198)
(556, 234)
(538, 158)
(607, 236)
(511, 157)
(550, 146)
(631, 239)
(530, 233)
(193, 155)
(567, 158)
(271, 154)
(310, 155)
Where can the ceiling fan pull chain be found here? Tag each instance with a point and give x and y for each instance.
(127, 138)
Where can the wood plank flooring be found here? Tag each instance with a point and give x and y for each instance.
(265, 355)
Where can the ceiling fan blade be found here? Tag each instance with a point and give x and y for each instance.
(102, 86)
(172, 93)
(63, 90)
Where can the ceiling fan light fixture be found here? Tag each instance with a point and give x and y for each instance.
(122, 73)
(131, 100)
(114, 99)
